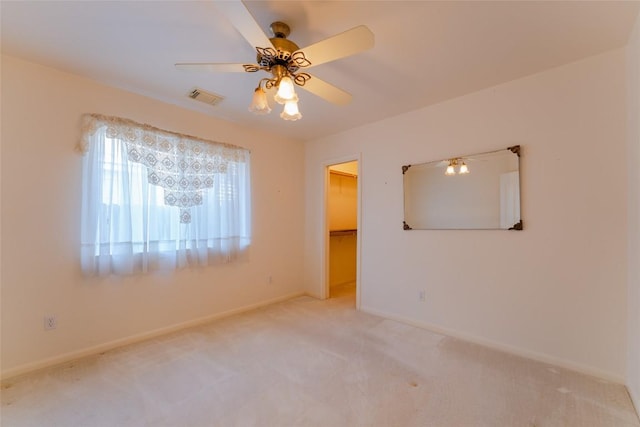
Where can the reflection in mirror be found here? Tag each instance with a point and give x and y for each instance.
(479, 191)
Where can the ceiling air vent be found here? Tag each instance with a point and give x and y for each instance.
(206, 97)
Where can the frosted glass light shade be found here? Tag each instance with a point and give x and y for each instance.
(290, 111)
(286, 91)
(464, 168)
(450, 170)
(259, 104)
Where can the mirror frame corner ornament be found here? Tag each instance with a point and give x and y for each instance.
(517, 226)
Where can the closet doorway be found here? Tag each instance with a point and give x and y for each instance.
(342, 227)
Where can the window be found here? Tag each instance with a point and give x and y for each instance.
(153, 199)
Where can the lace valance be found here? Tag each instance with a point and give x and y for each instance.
(182, 165)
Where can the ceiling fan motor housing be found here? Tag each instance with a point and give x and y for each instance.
(283, 49)
(280, 29)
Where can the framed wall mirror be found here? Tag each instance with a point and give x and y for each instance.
(478, 191)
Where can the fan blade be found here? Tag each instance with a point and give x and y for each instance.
(327, 91)
(350, 42)
(217, 67)
(238, 14)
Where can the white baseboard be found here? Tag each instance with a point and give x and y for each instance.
(540, 357)
(89, 351)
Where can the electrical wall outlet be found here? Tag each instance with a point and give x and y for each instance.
(422, 295)
(50, 322)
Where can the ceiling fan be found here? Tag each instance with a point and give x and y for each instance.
(284, 60)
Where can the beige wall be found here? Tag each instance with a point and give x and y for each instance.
(342, 259)
(633, 233)
(41, 183)
(556, 291)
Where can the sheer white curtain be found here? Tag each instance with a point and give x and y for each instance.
(153, 199)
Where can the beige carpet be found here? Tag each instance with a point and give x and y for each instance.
(311, 363)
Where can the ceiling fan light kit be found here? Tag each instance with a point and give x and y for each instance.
(283, 59)
(286, 92)
(290, 111)
(259, 104)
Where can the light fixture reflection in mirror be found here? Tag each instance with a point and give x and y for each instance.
(463, 168)
(451, 169)
(479, 191)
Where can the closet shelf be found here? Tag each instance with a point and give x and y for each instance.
(334, 233)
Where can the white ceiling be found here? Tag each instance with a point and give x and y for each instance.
(425, 52)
